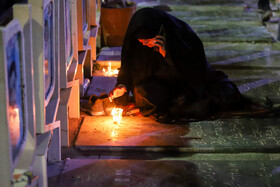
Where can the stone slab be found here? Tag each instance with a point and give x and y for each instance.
(261, 89)
(223, 23)
(110, 54)
(232, 32)
(243, 55)
(101, 84)
(250, 134)
(145, 134)
(84, 172)
(131, 132)
(204, 2)
(214, 13)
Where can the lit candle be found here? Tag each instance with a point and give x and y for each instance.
(117, 115)
(116, 72)
(110, 69)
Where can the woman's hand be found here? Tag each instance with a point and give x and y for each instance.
(118, 91)
(160, 45)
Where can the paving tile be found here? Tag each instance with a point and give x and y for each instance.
(101, 132)
(78, 172)
(221, 135)
(204, 2)
(193, 14)
(244, 55)
(110, 54)
(101, 84)
(234, 135)
(223, 23)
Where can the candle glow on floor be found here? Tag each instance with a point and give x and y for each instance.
(110, 71)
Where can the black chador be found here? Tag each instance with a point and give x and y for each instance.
(163, 64)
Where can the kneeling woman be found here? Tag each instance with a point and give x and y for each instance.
(163, 64)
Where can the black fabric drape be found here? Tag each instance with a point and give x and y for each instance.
(184, 50)
(184, 70)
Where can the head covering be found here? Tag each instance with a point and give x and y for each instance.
(183, 46)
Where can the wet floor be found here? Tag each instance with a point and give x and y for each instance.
(131, 132)
(225, 151)
(83, 172)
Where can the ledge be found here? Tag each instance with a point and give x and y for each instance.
(64, 96)
(72, 70)
(52, 126)
(82, 57)
(42, 142)
(110, 54)
(93, 31)
(51, 110)
(86, 36)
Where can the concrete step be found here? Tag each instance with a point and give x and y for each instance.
(110, 54)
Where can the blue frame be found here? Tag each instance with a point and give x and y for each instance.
(48, 49)
(85, 15)
(15, 93)
(68, 33)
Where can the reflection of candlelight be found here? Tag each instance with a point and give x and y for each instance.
(14, 125)
(110, 71)
(114, 134)
(117, 115)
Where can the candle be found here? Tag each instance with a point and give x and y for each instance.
(117, 115)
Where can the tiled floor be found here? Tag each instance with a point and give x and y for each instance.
(228, 151)
(166, 173)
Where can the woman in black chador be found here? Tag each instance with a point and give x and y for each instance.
(163, 64)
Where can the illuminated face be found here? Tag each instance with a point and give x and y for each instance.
(157, 43)
(148, 42)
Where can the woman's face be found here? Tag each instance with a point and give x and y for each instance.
(158, 43)
(148, 42)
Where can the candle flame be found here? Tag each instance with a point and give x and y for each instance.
(116, 72)
(110, 71)
(117, 115)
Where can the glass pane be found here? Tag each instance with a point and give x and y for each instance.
(85, 23)
(15, 93)
(68, 33)
(48, 47)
